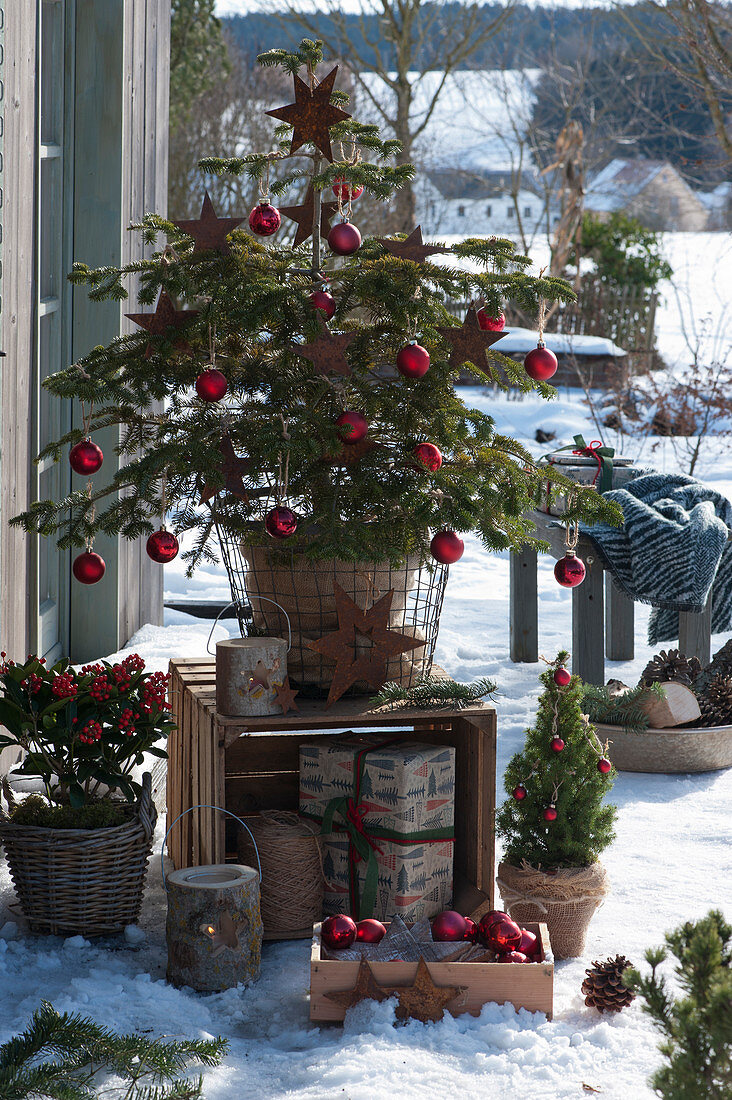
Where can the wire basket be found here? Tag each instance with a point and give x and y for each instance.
(271, 584)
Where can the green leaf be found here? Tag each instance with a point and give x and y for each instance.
(77, 796)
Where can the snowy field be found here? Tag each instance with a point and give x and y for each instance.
(671, 861)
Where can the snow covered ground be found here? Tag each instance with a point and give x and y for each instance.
(670, 862)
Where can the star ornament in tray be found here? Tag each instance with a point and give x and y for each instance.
(424, 1000)
(470, 342)
(304, 215)
(312, 114)
(208, 231)
(341, 645)
(412, 247)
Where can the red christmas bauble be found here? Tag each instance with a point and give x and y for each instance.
(344, 190)
(562, 677)
(502, 935)
(540, 364)
(338, 932)
(86, 458)
(344, 239)
(353, 425)
(557, 744)
(471, 930)
(529, 943)
(569, 570)
(324, 301)
(519, 792)
(493, 915)
(88, 567)
(448, 926)
(413, 361)
(264, 219)
(446, 547)
(162, 546)
(550, 813)
(211, 385)
(604, 765)
(491, 324)
(512, 957)
(428, 455)
(370, 931)
(280, 522)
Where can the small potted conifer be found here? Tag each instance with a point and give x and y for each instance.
(556, 822)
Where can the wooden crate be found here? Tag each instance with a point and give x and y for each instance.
(248, 764)
(524, 985)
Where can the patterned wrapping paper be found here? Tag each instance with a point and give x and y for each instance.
(407, 790)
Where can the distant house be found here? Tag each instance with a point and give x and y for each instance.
(482, 202)
(651, 191)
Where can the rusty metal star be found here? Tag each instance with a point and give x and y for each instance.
(412, 247)
(232, 469)
(470, 342)
(326, 351)
(366, 988)
(341, 645)
(165, 317)
(423, 1000)
(208, 231)
(285, 696)
(312, 114)
(305, 214)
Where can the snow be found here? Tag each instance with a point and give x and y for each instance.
(519, 340)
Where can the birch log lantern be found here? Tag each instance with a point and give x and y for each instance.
(214, 927)
(248, 673)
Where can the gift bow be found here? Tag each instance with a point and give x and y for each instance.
(603, 456)
(362, 846)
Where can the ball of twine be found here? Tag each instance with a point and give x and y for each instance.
(292, 872)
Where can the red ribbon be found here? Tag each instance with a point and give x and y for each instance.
(355, 814)
(590, 452)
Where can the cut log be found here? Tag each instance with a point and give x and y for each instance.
(679, 706)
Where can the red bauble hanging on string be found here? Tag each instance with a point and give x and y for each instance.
(448, 926)
(491, 324)
(557, 744)
(541, 363)
(264, 219)
(338, 932)
(344, 239)
(570, 570)
(370, 931)
(211, 385)
(89, 567)
(413, 361)
(86, 458)
(562, 677)
(428, 456)
(346, 191)
(352, 426)
(604, 765)
(162, 546)
(280, 522)
(446, 547)
(519, 792)
(325, 302)
(550, 813)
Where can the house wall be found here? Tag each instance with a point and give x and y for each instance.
(494, 215)
(668, 203)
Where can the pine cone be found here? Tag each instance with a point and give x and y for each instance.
(721, 666)
(603, 987)
(716, 702)
(671, 666)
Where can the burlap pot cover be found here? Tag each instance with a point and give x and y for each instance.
(304, 589)
(566, 900)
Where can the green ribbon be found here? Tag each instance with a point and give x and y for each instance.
(597, 450)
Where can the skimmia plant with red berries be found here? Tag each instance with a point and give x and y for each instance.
(83, 731)
(287, 377)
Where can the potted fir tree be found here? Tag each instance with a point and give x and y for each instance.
(555, 822)
(298, 401)
(78, 854)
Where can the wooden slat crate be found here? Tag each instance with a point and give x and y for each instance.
(524, 985)
(248, 764)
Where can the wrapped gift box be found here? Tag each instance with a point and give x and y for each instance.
(585, 471)
(388, 807)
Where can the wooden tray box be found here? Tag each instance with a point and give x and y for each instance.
(524, 985)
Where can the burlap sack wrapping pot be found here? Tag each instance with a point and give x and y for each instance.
(566, 900)
(304, 589)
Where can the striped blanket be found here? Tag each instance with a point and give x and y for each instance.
(671, 551)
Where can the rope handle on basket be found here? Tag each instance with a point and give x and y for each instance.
(233, 604)
(221, 810)
(511, 897)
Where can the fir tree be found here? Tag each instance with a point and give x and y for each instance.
(568, 781)
(250, 315)
(697, 1027)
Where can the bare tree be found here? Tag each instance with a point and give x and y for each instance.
(396, 40)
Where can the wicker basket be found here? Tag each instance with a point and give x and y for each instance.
(669, 750)
(86, 881)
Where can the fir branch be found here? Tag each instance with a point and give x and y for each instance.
(620, 710)
(432, 693)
